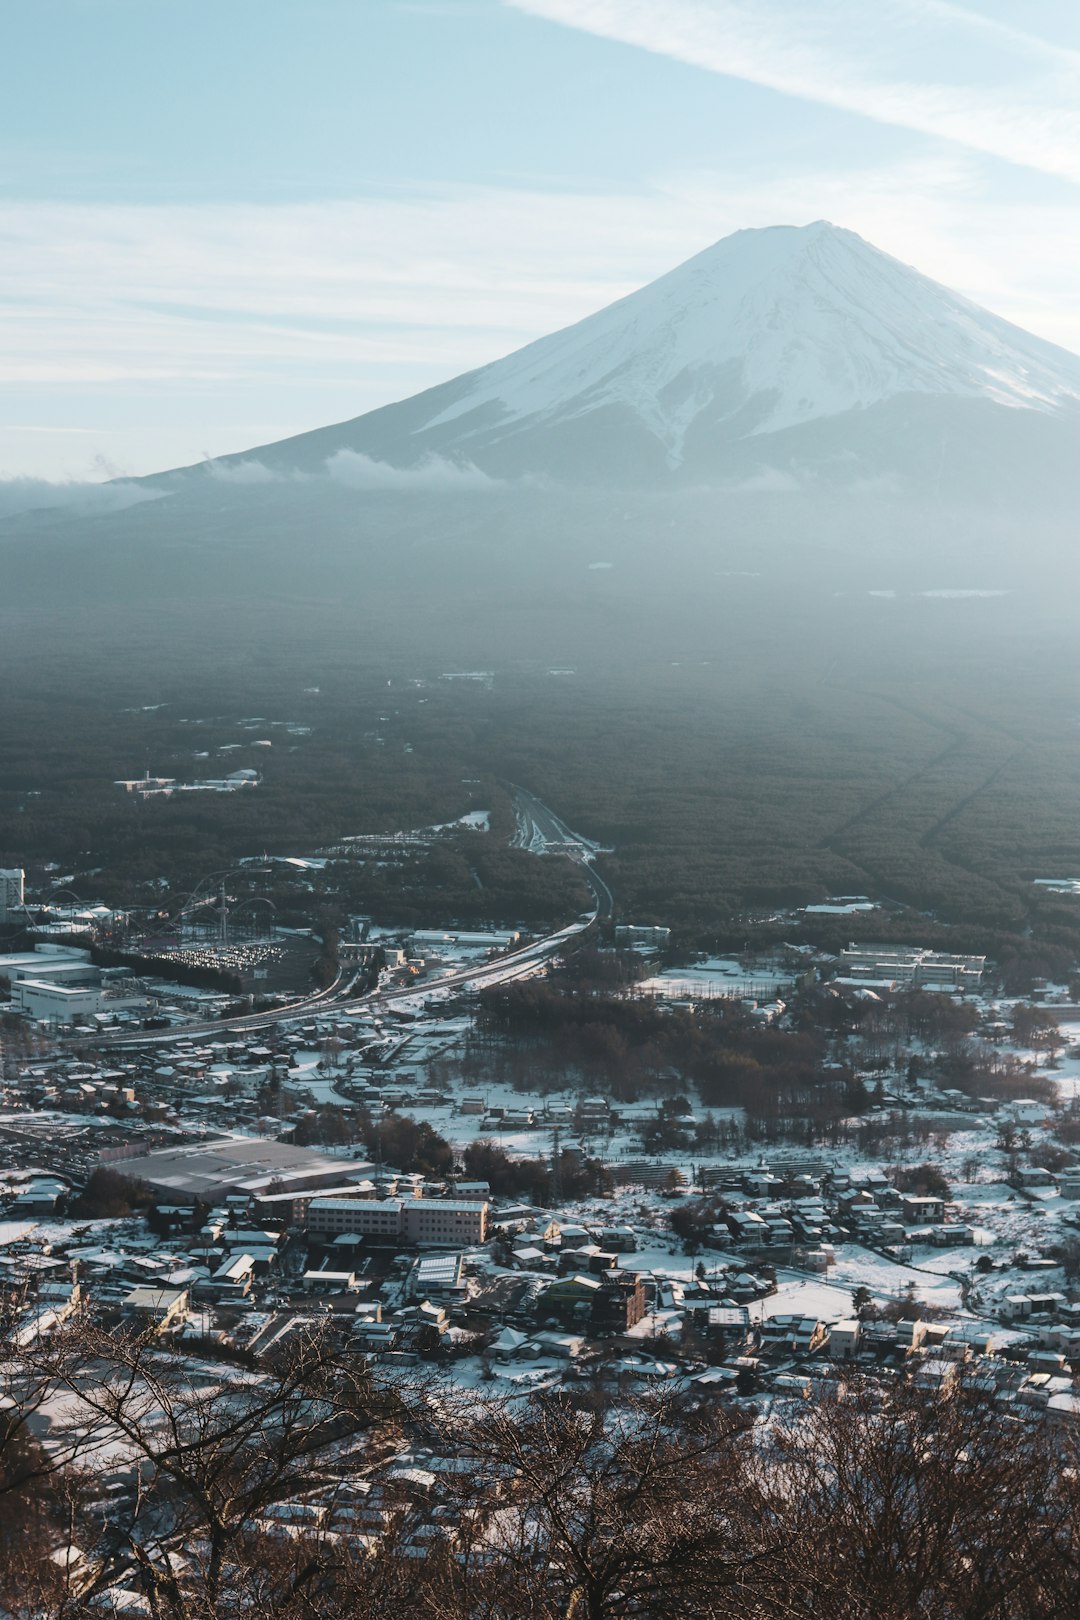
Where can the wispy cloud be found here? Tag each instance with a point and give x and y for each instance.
(435, 474)
(245, 472)
(36, 494)
(357, 471)
(347, 468)
(101, 295)
(924, 65)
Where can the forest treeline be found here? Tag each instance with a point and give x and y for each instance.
(721, 801)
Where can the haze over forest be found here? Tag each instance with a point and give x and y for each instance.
(794, 522)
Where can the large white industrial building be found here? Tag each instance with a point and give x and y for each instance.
(53, 983)
(49, 1002)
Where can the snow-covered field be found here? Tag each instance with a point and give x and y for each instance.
(716, 976)
(888, 1279)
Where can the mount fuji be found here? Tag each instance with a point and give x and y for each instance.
(790, 404)
(788, 353)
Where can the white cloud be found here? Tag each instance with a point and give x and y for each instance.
(435, 473)
(923, 65)
(37, 494)
(244, 472)
(357, 471)
(346, 467)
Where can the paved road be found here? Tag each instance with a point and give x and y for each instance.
(542, 831)
(515, 965)
(323, 1001)
(336, 998)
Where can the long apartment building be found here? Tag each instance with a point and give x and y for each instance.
(918, 968)
(445, 1222)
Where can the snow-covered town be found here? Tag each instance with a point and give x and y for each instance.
(482, 1167)
(401, 1173)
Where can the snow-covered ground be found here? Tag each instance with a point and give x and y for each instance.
(1065, 1075)
(716, 976)
(888, 1279)
(805, 1297)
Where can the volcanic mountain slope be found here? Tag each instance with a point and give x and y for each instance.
(788, 351)
(791, 402)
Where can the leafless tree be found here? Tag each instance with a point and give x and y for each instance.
(586, 1510)
(925, 1502)
(884, 1499)
(210, 1447)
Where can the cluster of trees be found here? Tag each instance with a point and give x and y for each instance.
(468, 879)
(639, 1046)
(924, 1180)
(325, 968)
(693, 1221)
(982, 1071)
(412, 1144)
(872, 1502)
(534, 1179)
(621, 1046)
(924, 1034)
(109, 1195)
(394, 1139)
(887, 1024)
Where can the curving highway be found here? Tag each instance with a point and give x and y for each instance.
(557, 838)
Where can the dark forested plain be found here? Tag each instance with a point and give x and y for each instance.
(753, 702)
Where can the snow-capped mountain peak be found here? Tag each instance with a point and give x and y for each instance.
(763, 331)
(774, 359)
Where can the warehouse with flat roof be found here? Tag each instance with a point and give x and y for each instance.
(238, 1164)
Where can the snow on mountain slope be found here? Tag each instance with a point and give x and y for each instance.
(778, 359)
(764, 331)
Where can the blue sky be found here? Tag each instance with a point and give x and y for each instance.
(224, 222)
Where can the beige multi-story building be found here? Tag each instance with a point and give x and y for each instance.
(445, 1222)
(449, 1222)
(364, 1217)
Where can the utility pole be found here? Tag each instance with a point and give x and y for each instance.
(556, 1167)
